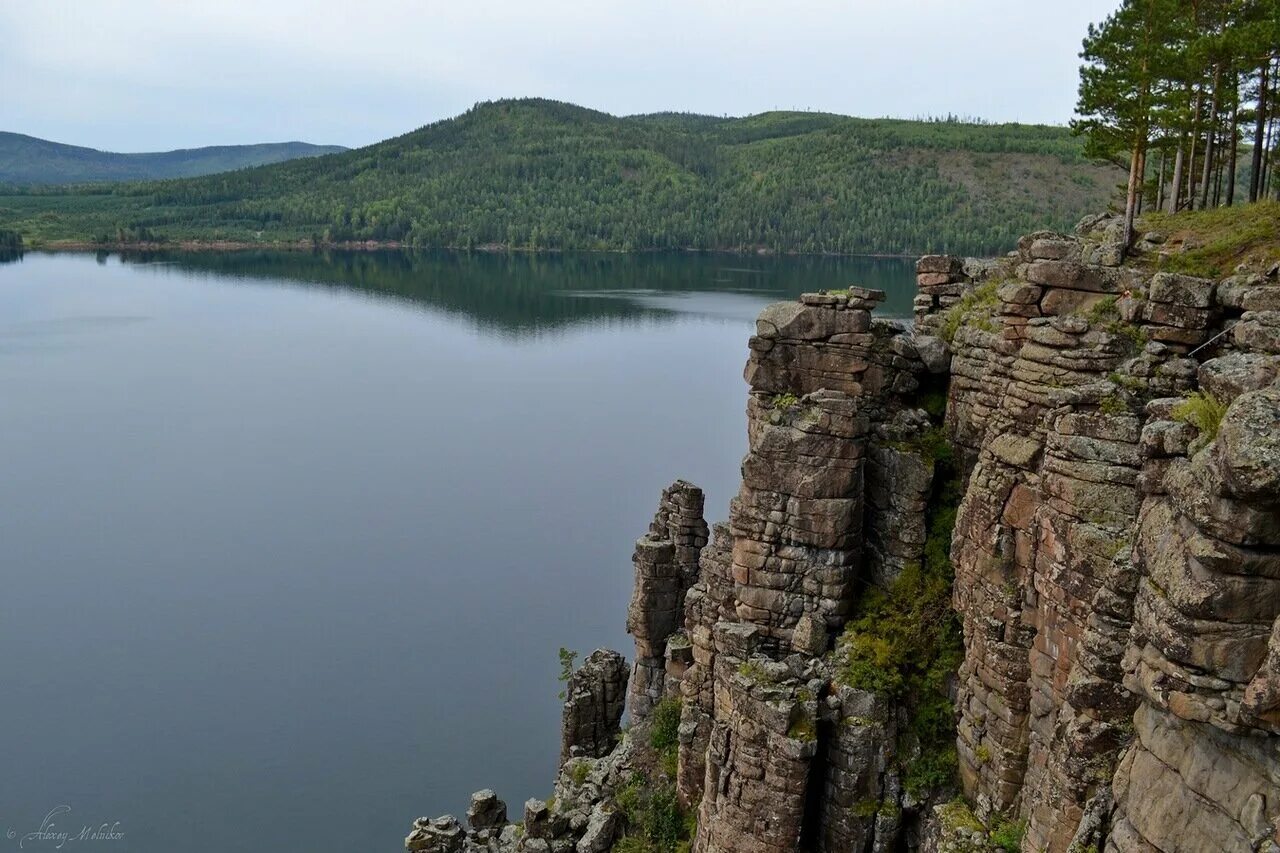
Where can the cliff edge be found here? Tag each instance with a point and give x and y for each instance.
(1005, 579)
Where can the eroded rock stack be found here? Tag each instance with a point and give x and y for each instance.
(666, 566)
(595, 696)
(827, 393)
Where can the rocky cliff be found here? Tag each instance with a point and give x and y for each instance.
(1007, 578)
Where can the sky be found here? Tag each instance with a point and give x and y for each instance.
(150, 75)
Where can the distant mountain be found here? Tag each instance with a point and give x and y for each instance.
(539, 174)
(28, 160)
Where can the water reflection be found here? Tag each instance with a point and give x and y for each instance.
(291, 540)
(522, 294)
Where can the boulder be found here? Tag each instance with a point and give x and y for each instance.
(934, 353)
(441, 835)
(1236, 373)
(1248, 446)
(486, 810)
(602, 829)
(1184, 290)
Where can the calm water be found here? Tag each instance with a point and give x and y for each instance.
(290, 542)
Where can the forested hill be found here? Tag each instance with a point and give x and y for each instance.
(28, 160)
(547, 175)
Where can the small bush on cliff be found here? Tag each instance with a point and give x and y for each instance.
(783, 402)
(1003, 833)
(567, 659)
(664, 734)
(1103, 311)
(665, 724)
(1105, 316)
(1113, 404)
(934, 402)
(904, 640)
(803, 728)
(1007, 834)
(655, 822)
(1204, 412)
(974, 308)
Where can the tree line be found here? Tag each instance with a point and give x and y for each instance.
(10, 245)
(1184, 94)
(534, 174)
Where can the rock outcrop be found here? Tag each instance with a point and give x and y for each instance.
(666, 566)
(595, 696)
(1083, 455)
(1114, 585)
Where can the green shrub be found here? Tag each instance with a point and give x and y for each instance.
(957, 815)
(1007, 834)
(935, 403)
(1103, 311)
(1113, 404)
(932, 444)
(904, 641)
(1204, 412)
(783, 402)
(803, 728)
(754, 671)
(664, 734)
(865, 808)
(665, 724)
(975, 308)
(1132, 336)
(655, 823)
(567, 659)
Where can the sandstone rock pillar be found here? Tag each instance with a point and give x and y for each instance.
(594, 700)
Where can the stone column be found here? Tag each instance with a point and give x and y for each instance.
(666, 566)
(594, 700)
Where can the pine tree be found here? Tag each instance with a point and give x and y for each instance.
(1123, 58)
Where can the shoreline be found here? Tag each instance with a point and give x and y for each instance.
(394, 246)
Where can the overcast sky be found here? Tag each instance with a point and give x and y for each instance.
(146, 75)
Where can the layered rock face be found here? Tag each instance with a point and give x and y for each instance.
(1204, 769)
(774, 754)
(1105, 563)
(1116, 556)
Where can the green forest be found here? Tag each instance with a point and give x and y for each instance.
(28, 160)
(544, 175)
(1183, 93)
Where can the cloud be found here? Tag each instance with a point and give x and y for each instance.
(147, 75)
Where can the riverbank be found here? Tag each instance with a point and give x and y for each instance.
(392, 245)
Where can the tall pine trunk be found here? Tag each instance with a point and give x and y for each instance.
(1217, 183)
(1164, 153)
(1268, 166)
(1259, 133)
(1235, 141)
(1137, 161)
(1191, 161)
(1175, 189)
(1210, 137)
(1268, 161)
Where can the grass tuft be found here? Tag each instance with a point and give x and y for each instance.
(1222, 238)
(975, 308)
(1204, 412)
